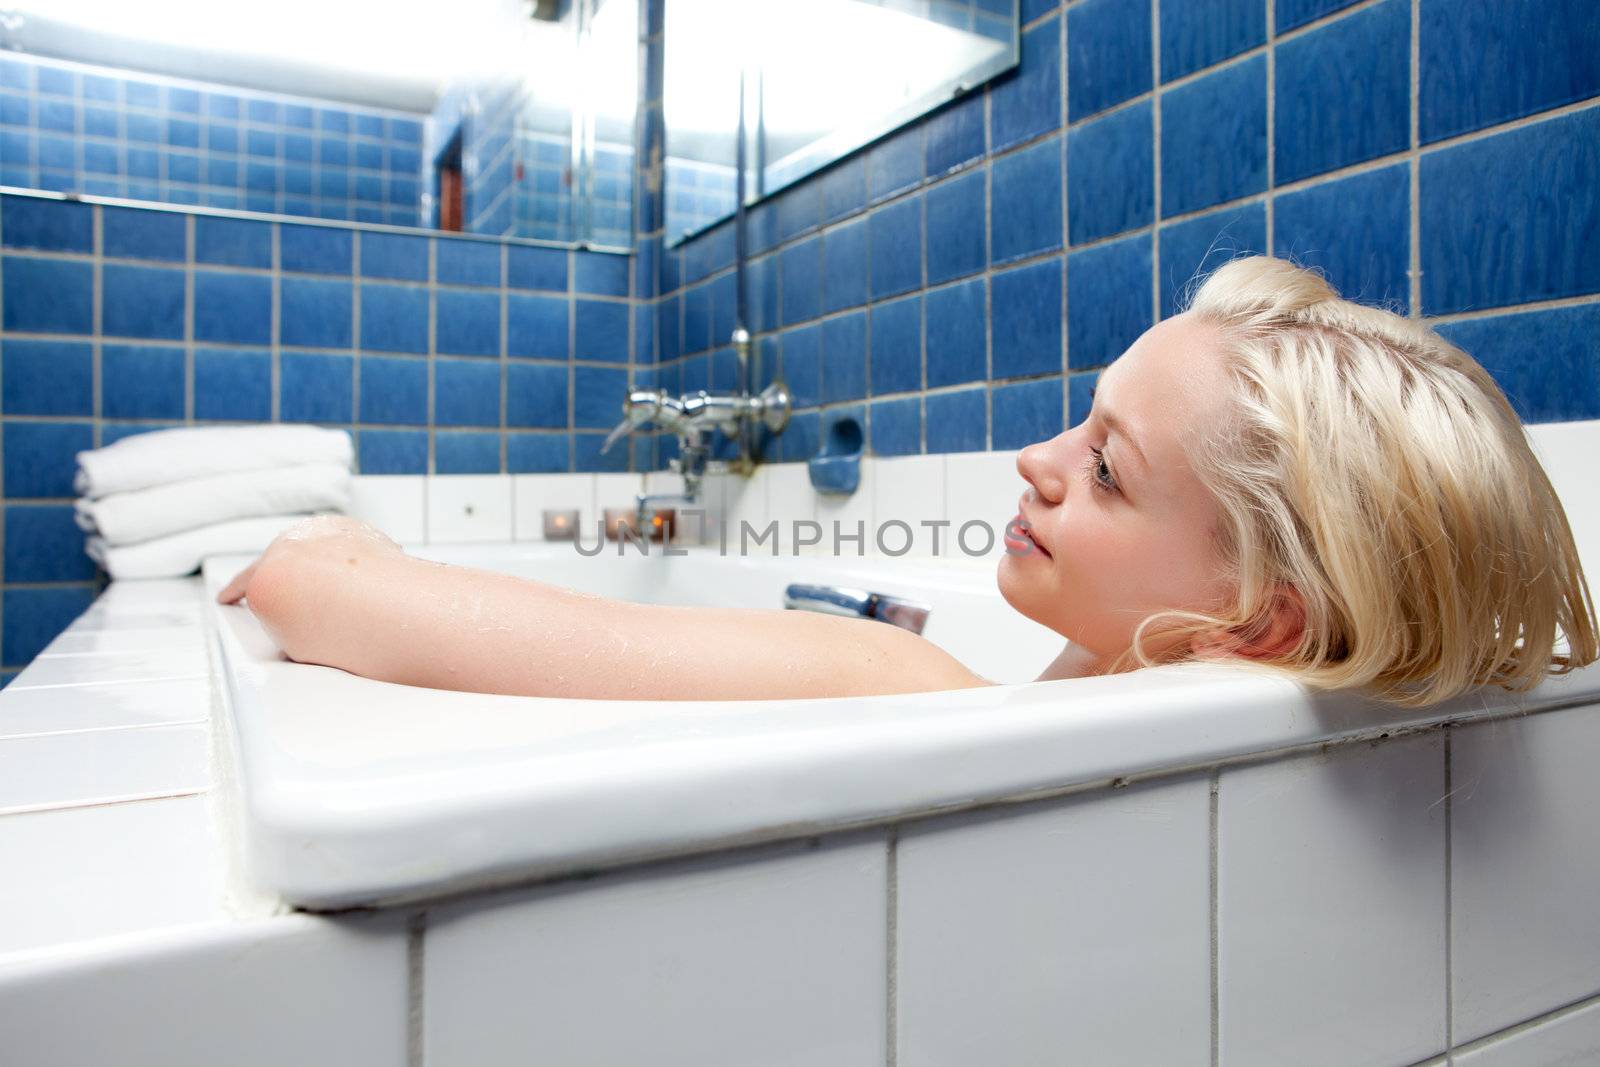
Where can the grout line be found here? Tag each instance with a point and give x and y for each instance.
(892, 953)
(1449, 892)
(1272, 191)
(188, 318)
(1533, 1023)
(416, 1019)
(1156, 89)
(1414, 261)
(1215, 880)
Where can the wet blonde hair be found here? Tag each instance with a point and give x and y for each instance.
(1379, 471)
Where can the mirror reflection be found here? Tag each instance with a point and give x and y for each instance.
(817, 79)
(508, 118)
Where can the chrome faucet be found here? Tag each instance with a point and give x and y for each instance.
(692, 417)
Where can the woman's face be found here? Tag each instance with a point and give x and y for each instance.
(1118, 525)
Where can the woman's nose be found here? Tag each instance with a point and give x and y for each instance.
(1042, 465)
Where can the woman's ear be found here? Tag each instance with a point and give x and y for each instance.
(1277, 634)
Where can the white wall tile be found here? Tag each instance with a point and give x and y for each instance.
(909, 489)
(465, 508)
(533, 494)
(394, 503)
(1567, 451)
(744, 500)
(770, 956)
(1331, 898)
(105, 668)
(847, 512)
(790, 496)
(60, 770)
(616, 490)
(80, 642)
(1525, 867)
(67, 709)
(1571, 1039)
(292, 990)
(982, 486)
(85, 873)
(1071, 931)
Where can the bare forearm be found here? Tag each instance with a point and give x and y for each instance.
(406, 620)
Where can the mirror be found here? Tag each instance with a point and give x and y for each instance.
(506, 118)
(820, 79)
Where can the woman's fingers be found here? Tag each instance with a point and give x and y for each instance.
(233, 592)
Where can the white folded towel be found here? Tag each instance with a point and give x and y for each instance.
(162, 456)
(182, 553)
(126, 518)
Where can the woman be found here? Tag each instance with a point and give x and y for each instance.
(1275, 475)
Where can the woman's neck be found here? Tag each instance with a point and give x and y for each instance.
(1075, 661)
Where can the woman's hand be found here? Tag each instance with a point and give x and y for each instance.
(317, 535)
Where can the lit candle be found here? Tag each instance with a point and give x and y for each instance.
(560, 524)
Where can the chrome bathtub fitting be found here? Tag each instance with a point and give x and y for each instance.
(692, 417)
(858, 603)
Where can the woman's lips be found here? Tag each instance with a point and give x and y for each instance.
(1020, 539)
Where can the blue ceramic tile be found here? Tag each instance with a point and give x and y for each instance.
(330, 120)
(1025, 204)
(467, 323)
(844, 189)
(795, 211)
(112, 432)
(528, 267)
(896, 429)
(393, 451)
(315, 313)
(1512, 217)
(394, 318)
(799, 439)
(895, 163)
(761, 278)
(538, 453)
(844, 266)
(724, 308)
(586, 454)
(1027, 101)
(232, 242)
(1080, 396)
(1195, 247)
(1544, 360)
(1357, 230)
(299, 116)
(182, 100)
(47, 377)
(955, 135)
(895, 233)
(697, 318)
(957, 334)
(100, 122)
(1342, 93)
(1487, 61)
(601, 273)
(394, 392)
(1111, 174)
(955, 224)
(800, 273)
(47, 225)
(536, 394)
(141, 94)
(597, 394)
(600, 330)
(844, 358)
(182, 133)
(232, 307)
(463, 262)
(669, 328)
(1027, 320)
(466, 393)
(802, 365)
(1025, 412)
(33, 618)
(400, 257)
(229, 384)
(59, 116)
(1214, 138)
(47, 295)
(1108, 54)
(141, 302)
(1292, 13)
(316, 249)
(314, 388)
(724, 370)
(536, 326)
(957, 422)
(1110, 292)
(1197, 33)
(42, 457)
(44, 544)
(896, 346)
(141, 382)
(644, 334)
(466, 452)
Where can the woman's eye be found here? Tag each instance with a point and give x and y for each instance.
(1099, 471)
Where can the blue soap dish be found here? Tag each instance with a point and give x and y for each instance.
(837, 469)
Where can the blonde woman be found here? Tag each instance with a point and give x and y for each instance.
(1275, 475)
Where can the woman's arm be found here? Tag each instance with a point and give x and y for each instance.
(336, 592)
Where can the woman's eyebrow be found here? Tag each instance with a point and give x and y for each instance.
(1118, 427)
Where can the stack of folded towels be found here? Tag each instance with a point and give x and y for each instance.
(156, 504)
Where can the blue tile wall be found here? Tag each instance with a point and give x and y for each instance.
(1133, 151)
(73, 128)
(438, 354)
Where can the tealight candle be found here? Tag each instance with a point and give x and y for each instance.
(560, 524)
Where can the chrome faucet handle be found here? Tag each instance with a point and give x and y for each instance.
(641, 406)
